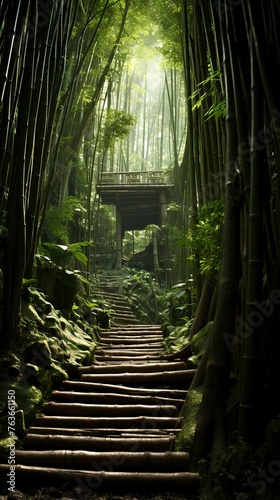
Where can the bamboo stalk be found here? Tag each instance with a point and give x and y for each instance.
(124, 461)
(122, 389)
(177, 481)
(165, 378)
(125, 367)
(110, 432)
(109, 410)
(150, 422)
(112, 398)
(50, 442)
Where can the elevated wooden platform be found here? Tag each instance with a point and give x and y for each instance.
(140, 197)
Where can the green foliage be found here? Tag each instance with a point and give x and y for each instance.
(57, 219)
(178, 337)
(206, 237)
(104, 229)
(63, 255)
(177, 304)
(143, 292)
(117, 125)
(217, 109)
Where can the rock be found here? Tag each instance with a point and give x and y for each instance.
(30, 374)
(198, 345)
(39, 354)
(57, 374)
(184, 440)
(19, 425)
(28, 398)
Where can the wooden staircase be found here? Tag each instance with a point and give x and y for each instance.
(115, 426)
(121, 312)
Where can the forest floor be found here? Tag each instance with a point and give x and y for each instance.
(66, 493)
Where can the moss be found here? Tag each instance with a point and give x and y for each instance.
(184, 440)
(178, 338)
(57, 374)
(28, 398)
(30, 314)
(199, 340)
(5, 448)
(19, 425)
(198, 345)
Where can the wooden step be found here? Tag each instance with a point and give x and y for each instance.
(145, 346)
(128, 341)
(133, 330)
(79, 386)
(151, 422)
(98, 410)
(112, 398)
(181, 377)
(93, 443)
(131, 353)
(93, 480)
(110, 432)
(116, 357)
(136, 335)
(148, 367)
(121, 460)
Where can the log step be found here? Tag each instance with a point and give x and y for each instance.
(134, 328)
(130, 337)
(79, 386)
(93, 443)
(104, 432)
(129, 341)
(112, 398)
(146, 347)
(109, 410)
(182, 377)
(92, 480)
(152, 353)
(114, 427)
(151, 422)
(127, 367)
(115, 357)
(120, 460)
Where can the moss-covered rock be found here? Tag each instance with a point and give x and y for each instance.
(57, 374)
(28, 398)
(178, 338)
(19, 424)
(198, 345)
(47, 349)
(7, 448)
(184, 440)
(38, 353)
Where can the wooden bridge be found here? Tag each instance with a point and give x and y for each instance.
(140, 199)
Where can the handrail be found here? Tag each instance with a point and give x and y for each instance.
(136, 177)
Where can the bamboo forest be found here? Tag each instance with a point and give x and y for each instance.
(140, 249)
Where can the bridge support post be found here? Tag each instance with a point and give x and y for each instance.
(163, 209)
(118, 239)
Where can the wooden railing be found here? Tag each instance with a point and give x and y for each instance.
(138, 177)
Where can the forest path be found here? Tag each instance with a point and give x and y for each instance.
(115, 426)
